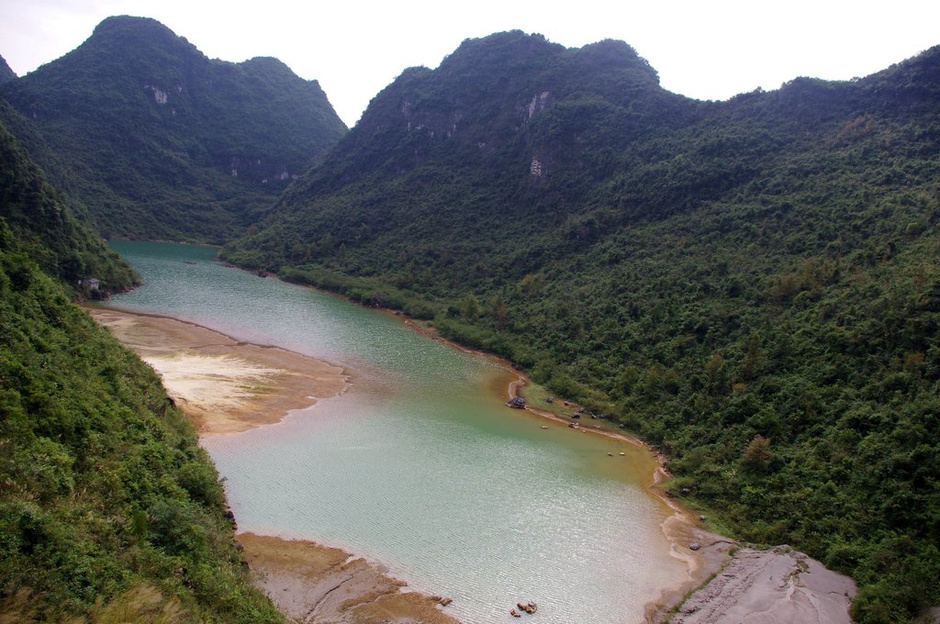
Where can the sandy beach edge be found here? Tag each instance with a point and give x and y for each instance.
(224, 385)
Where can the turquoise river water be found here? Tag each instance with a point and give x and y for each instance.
(419, 465)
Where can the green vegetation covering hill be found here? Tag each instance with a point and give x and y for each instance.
(158, 141)
(5, 72)
(43, 224)
(752, 285)
(109, 509)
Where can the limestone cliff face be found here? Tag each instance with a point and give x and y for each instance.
(511, 102)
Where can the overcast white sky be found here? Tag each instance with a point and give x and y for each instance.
(706, 49)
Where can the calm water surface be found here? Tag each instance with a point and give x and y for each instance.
(419, 466)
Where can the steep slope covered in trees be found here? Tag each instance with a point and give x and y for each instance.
(158, 141)
(752, 285)
(5, 72)
(109, 509)
(42, 222)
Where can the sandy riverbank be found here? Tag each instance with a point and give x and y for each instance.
(227, 386)
(223, 385)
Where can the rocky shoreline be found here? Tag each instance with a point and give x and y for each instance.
(734, 583)
(775, 586)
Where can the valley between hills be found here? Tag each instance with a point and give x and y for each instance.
(749, 286)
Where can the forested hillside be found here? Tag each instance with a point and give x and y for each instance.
(44, 225)
(752, 285)
(5, 72)
(157, 141)
(109, 509)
